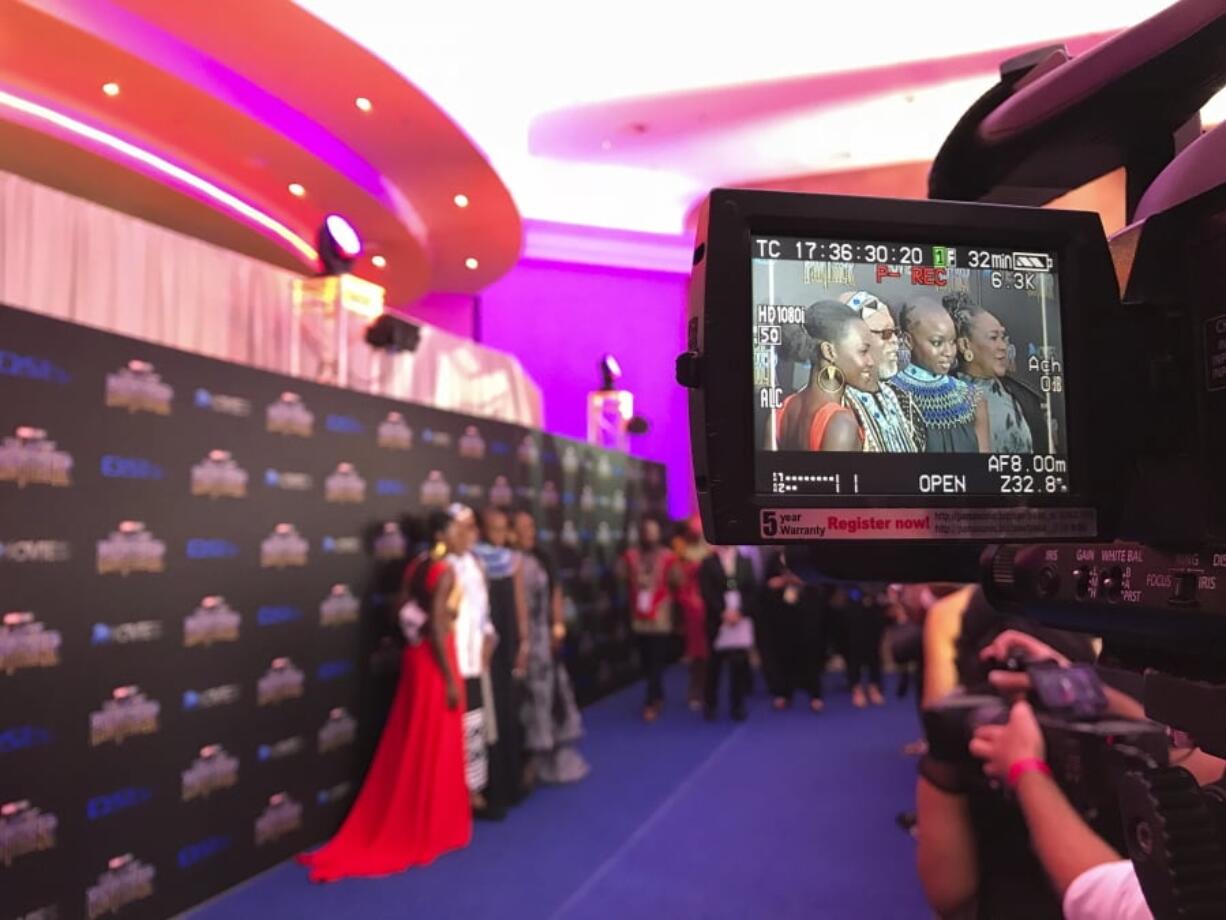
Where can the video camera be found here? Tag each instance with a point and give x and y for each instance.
(974, 388)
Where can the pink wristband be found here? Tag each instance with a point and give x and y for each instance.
(1025, 765)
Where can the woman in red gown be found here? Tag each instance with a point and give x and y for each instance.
(413, 805)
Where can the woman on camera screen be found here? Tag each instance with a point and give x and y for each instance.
(838, 346)
(946, 414)
(1014, 410)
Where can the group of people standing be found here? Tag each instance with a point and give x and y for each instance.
(484, 708)
(735, 606)
(953, 393)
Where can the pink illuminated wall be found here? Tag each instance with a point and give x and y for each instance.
(559, 319)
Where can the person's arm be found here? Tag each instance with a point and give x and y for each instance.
(982, 431)
(942, 626)
(521, 619)
(1065, 845)
(557, 618)
(842, 433)
(438, 616)
(945, 853)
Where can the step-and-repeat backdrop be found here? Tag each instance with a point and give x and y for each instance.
(197, 564)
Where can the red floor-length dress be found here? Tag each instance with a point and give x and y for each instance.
(413, 805)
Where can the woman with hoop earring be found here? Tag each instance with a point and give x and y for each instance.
(838, 346)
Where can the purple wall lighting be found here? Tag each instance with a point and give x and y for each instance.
(561, 319)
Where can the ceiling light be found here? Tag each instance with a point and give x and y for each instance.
(461, 201)
(378, 261)
(606, 144)
(471, 264)
(296, 189)
(111, 89)
(339, 245)
(363, 103)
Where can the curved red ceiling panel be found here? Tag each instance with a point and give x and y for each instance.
(253, 103)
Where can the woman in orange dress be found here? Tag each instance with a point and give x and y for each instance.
(838, 346)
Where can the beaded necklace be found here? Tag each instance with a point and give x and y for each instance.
(885, 426)
(943, 402)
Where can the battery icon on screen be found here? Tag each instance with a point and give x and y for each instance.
(938, 257)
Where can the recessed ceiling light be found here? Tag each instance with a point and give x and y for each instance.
(471, 264)
(378, 261)
(111, 89)
(296, 189)
(461, 201)
(606, 144)
(363, 103)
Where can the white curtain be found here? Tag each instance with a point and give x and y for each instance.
(75, 260)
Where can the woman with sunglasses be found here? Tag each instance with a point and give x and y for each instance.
(946, 414)
(1015, 411)
(885, 425)
(837, 346)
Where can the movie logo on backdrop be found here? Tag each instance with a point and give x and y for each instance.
(289, 416)
(221, 404)
(570, 460)
(282, 817)
(138, 388)
(345, 485)
(587, 499)
(339, 608)
(219, 476)
(126, 633)
(28, 457)
(472, 445)
(129, 549)
(125, 881)
(279, 750)
(25, 829)
(127, 714)
(435, 490)
(27, 643)
(570, 535)
(211, 698)
(527, 452)
(390, 544)
(394, 433)
(340, 730)
(212, 771)
(281, 682)
(550, 498)
(284, 548)
(500, 493)
(211, 622)
(604, 469)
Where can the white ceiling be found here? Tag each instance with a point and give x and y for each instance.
(596, 114)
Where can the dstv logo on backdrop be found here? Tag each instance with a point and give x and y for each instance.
(32, 367)
(195, 853)
(25, 829)
(126, 633)
(287, 747)
(390, 487)
(273, 616)
(125, 881)
(333, 670)
(24, 737)
(225, 405)
(114, 466)
(208, 548)
(221, 695)
(103, 806)
(343, 424)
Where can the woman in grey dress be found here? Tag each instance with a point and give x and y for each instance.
(552, 723)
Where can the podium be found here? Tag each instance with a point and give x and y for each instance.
(608, 416)
(329, 312)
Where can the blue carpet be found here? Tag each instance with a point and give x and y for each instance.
(787, 815)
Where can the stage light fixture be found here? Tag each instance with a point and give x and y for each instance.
(391, 333)
(378, 261)
(610, 372)
(111, 89)
(297, 189)
(461, 201)
(471, 264)
(339, 244)
(363, 104)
